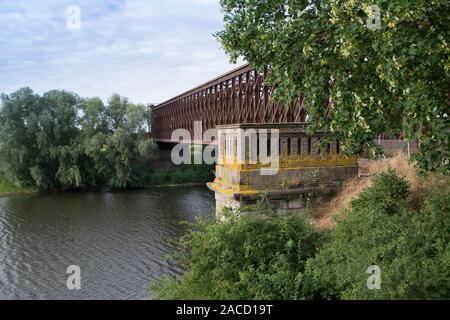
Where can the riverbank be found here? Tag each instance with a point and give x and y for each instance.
(9, 189)
(6, 192)
(180, 175)
(288, 258)
(174, 185)
(186, 175)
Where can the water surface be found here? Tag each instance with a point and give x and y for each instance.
(118, 239)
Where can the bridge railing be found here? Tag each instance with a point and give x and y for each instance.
(239, 96)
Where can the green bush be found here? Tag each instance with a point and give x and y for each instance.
(256, 256)
(245, 258)
(411, 248)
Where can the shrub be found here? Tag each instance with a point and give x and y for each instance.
(263, 256)
(411, 247)
(245, 258)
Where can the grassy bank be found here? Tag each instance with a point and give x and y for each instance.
(329, 212)
(7, 187)
(188, 174)
(395, 222)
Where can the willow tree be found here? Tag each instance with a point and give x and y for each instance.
(366, 67)
(61, 141)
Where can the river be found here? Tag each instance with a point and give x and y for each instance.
(117, 239)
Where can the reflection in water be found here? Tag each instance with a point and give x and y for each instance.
(119, 240)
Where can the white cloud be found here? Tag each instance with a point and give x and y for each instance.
(146, 50)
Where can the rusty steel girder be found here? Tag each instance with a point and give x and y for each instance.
(239, 96)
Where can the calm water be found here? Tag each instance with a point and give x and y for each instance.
(119, 240)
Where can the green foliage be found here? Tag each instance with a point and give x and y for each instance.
(7, 187)
(380, 81)
(60, 141)
(253, 256)
(387, 195)
(412, 249)
(245, 258)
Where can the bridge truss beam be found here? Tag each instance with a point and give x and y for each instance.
(239, 96)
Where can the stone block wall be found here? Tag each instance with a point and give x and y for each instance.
(299, 164)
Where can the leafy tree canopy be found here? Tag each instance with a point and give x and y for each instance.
(386, 77)
(59, 140)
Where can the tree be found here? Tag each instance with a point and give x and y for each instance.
(33, 130)
(114, 139)
(389, 77)
(61, 141)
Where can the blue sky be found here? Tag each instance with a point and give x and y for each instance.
(146, 50)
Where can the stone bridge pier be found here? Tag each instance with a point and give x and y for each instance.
(280, 161)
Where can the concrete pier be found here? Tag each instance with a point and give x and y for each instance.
(279, 160)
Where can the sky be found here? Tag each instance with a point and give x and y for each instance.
(146, 50)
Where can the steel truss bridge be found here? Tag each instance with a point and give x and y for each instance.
(237, 97)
